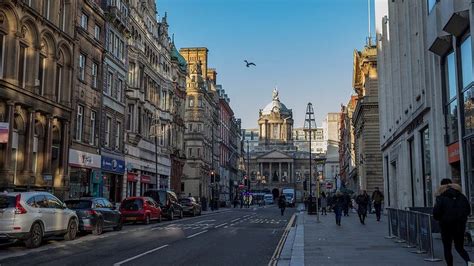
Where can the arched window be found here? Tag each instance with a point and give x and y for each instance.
(26, 71)
(62, 84)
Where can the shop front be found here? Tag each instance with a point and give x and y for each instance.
(113, 170)
(84, 174)
(132, 180)
(145, 183)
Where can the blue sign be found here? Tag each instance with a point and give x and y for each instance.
(113, 165)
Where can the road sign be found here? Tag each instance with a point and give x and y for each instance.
(329, 185)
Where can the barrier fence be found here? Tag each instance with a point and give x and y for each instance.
(415, 229)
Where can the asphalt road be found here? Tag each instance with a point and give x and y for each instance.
(233, 237)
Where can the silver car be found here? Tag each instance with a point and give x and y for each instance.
(31, 216)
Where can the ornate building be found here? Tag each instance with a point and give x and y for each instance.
(348, 171)
(365, 119)
(276, 163)
(36, 70)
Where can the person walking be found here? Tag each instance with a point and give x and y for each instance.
(362, 201)
(282, 204)
(347, 202)
(451, 210)
(338, 205)
(377, 199)
(324, 203)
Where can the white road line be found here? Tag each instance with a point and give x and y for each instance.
(196, 234)
(139, 255)
(205, 221)
(246, 215)
(235, 220)
(220, 225)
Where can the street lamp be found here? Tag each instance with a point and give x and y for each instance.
(309, 126)
(320, 162)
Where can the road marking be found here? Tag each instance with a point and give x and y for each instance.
(205, 221)
(139, 255)
(235, 220)
(196, 234)
(220, 225)
(245, 216)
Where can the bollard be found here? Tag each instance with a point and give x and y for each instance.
(390, 236)
(408, 233)
(418, 238)
(432, 259)
(400, 240)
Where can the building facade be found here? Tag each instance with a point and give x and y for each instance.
(84, 152)
(331, 129)
(301, 140)
(36, 80)
(347, 166)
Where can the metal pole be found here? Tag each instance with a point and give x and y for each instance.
(248, 166)
(390, 236)
(432, 259)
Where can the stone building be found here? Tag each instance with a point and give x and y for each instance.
(149, 101)
(368, 158)
(347, 169)
(276, 163)
(301, 140)
(331, 126)
(112, 118)
(84, 152)
(426, 120)
(201, 119)
(36, 83)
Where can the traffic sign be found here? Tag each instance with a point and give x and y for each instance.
(329, 185)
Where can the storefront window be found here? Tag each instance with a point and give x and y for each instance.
(425, 153)
(466, 62)
(469, 111)
(452, 122)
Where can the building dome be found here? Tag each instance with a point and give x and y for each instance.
(275, 106)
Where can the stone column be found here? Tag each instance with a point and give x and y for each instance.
(64, 159)
(8, 145)
(279, 172)
(48, 145)
(30, 132)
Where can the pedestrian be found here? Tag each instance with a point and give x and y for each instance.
(236, 200)
(347, 202)
(338, 205)
(451, 210)
(377, 200)
(324, 203)
(282, 204)
(362, 201)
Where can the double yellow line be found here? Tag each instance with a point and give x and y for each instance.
(281, 243)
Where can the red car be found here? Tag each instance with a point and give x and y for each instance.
(140, 209)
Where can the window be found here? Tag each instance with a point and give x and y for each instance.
(162, 135)
(62, 16)
(110, 42)
(190, 127)
(41, 74)
(47, 7)
(130, 117)
(94, 75)
(92, 128)
(108, 125)
(97, 32)
(53, 202)
(132, 74)
(59, 77)
(431, 5)
(109, 85)
(190, 152)
(119, 90)
(118, 131)
(469, 111)
(451, 98)
(466, 62)
(200, 102)
(199, 152)
(2, 52)
(22, 66)
(121, 50)
(116, 45)
(79, 122)
(84, 21)
(199, 127)
(191, 102)
(82, 66)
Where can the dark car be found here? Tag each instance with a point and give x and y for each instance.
(168, 201)
(95, 214)
(190, 206)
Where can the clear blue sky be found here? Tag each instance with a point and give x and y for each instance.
(304, 47)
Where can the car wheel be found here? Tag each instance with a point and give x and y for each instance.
(171, 215)
(119, 225)
(36, 236)
(71, 230)
(99, 228)
(147, 219)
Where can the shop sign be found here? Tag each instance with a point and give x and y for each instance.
(84, 159)
(131, 177)
(113, 165)
(453, 153)
(146, 179)
(4, 128)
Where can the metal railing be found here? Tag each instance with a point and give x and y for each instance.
(413, 228)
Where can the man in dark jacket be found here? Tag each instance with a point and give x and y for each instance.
(377, 198)
(451, 210)
(362, 201)
(338, 205)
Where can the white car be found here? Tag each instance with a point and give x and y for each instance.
(31, 216)
(268, 199)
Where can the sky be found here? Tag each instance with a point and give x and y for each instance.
(303, 47)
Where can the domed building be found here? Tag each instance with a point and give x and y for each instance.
(276, 163)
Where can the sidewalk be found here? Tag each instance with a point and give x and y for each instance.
(325, 243)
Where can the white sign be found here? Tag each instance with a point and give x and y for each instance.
(84, 159)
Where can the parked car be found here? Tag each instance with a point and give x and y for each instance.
(190, 206)
(144, 209)
(95, 214)
(168, 202)
(32, 216)
(268, 199)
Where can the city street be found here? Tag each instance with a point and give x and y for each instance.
(231, 237)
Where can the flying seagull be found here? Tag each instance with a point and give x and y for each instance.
(249, 64)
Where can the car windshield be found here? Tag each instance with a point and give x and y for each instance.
(132, 204)
(78, 204)
(7, 201)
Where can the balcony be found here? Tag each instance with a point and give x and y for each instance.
(118, 17)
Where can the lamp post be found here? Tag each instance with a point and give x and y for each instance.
(248, 166)
(309, 125)
(320, 164)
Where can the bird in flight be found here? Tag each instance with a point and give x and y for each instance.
(249, 64)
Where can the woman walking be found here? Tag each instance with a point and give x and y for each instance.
(338, 205)
(324, 203)
(362, 201)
